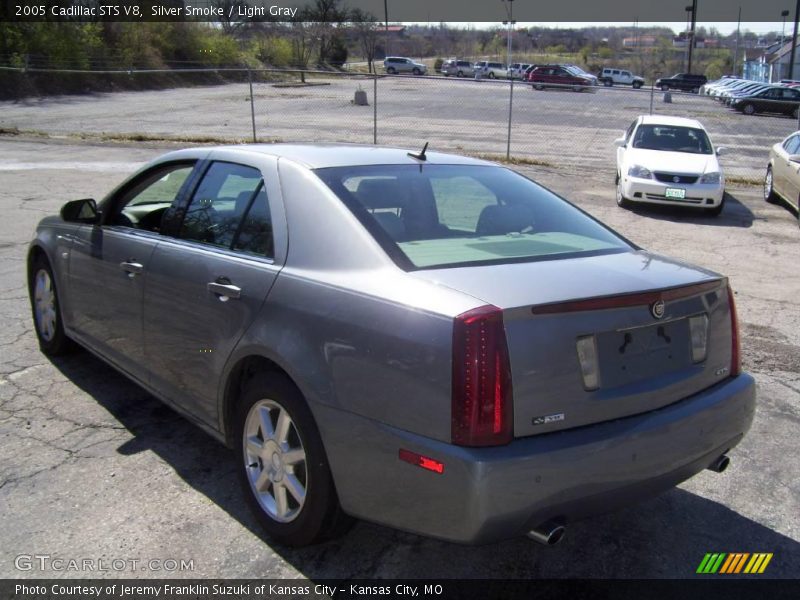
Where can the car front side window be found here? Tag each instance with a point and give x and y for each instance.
(143, 205)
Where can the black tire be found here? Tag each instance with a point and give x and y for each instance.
(46, 309)
(538, 87)
(319, 517)
(664, 87)
(749, 109)
(796, 112)
(416, 71)
(608, 82)
(717, 210)
(391, 70)
(491, 75)
(637, 85)
(695, 90)
(622, 201)
(460, 74)
(769, 192)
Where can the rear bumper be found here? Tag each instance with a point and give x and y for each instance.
(487, 494)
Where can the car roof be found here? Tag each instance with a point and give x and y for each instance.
(320, 156)
(671, 121)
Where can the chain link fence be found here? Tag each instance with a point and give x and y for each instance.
(563, 129)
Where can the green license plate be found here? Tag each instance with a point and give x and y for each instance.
(678, 193)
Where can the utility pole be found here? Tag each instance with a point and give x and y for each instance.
(794, 40)
(691, 34)
(736, 50)
(510, 10)
(386, 23)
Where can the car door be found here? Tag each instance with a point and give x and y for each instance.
(790, 171)
(781, 169)
(207, 282)
(109, 262)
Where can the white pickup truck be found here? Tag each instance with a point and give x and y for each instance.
(610, 76)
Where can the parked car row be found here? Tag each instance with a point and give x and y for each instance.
(751, 97)
(481, 68)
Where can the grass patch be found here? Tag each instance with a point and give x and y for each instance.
(514, 160)
(135, 137)
(744, 181)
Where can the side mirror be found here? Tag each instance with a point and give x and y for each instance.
(80, 211)
(721, 150)
(620, 142)
(795, 158)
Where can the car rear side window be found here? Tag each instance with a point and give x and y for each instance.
(229, 209)
(435, 216)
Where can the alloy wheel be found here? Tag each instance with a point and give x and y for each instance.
(44, 303)
(275, 461)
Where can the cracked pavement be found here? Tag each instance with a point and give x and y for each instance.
(92, 466)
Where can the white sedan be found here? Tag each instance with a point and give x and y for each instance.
(669, 160)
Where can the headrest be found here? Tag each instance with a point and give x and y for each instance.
(381, 192)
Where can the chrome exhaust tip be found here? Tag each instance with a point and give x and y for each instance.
(719, 465)
(547, 534)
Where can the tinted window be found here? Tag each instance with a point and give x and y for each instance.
(220, 203)
(446, 215)
(255, 233)
(143, 205)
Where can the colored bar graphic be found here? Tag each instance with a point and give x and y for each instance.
(733, 563)
(711, 563)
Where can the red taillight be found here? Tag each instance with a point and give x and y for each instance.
(481, 407)
(736, 350)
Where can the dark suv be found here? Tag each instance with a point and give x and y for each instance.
(686, 82)
(557, 76)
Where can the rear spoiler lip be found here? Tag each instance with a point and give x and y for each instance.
(629, 299)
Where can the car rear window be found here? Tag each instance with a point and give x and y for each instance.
(433, 216)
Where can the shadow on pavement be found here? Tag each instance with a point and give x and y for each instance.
(735, 214)
(665, 537)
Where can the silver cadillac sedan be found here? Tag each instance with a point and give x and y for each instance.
(422, 340)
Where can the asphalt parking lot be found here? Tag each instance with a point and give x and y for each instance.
(550, 128)
(93, 467)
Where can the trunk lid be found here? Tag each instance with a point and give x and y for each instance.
(643, 361)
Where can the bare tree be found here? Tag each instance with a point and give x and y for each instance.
(305, 40)
(367, 31)
(327, 15)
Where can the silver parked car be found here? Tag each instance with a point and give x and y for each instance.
(782, 180)
(427, 341)
(398, 64)
(491, 70)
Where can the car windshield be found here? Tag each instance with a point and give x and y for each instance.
(432, 216)
(672, 139)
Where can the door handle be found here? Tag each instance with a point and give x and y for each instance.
(224, 291)
(131, 268)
